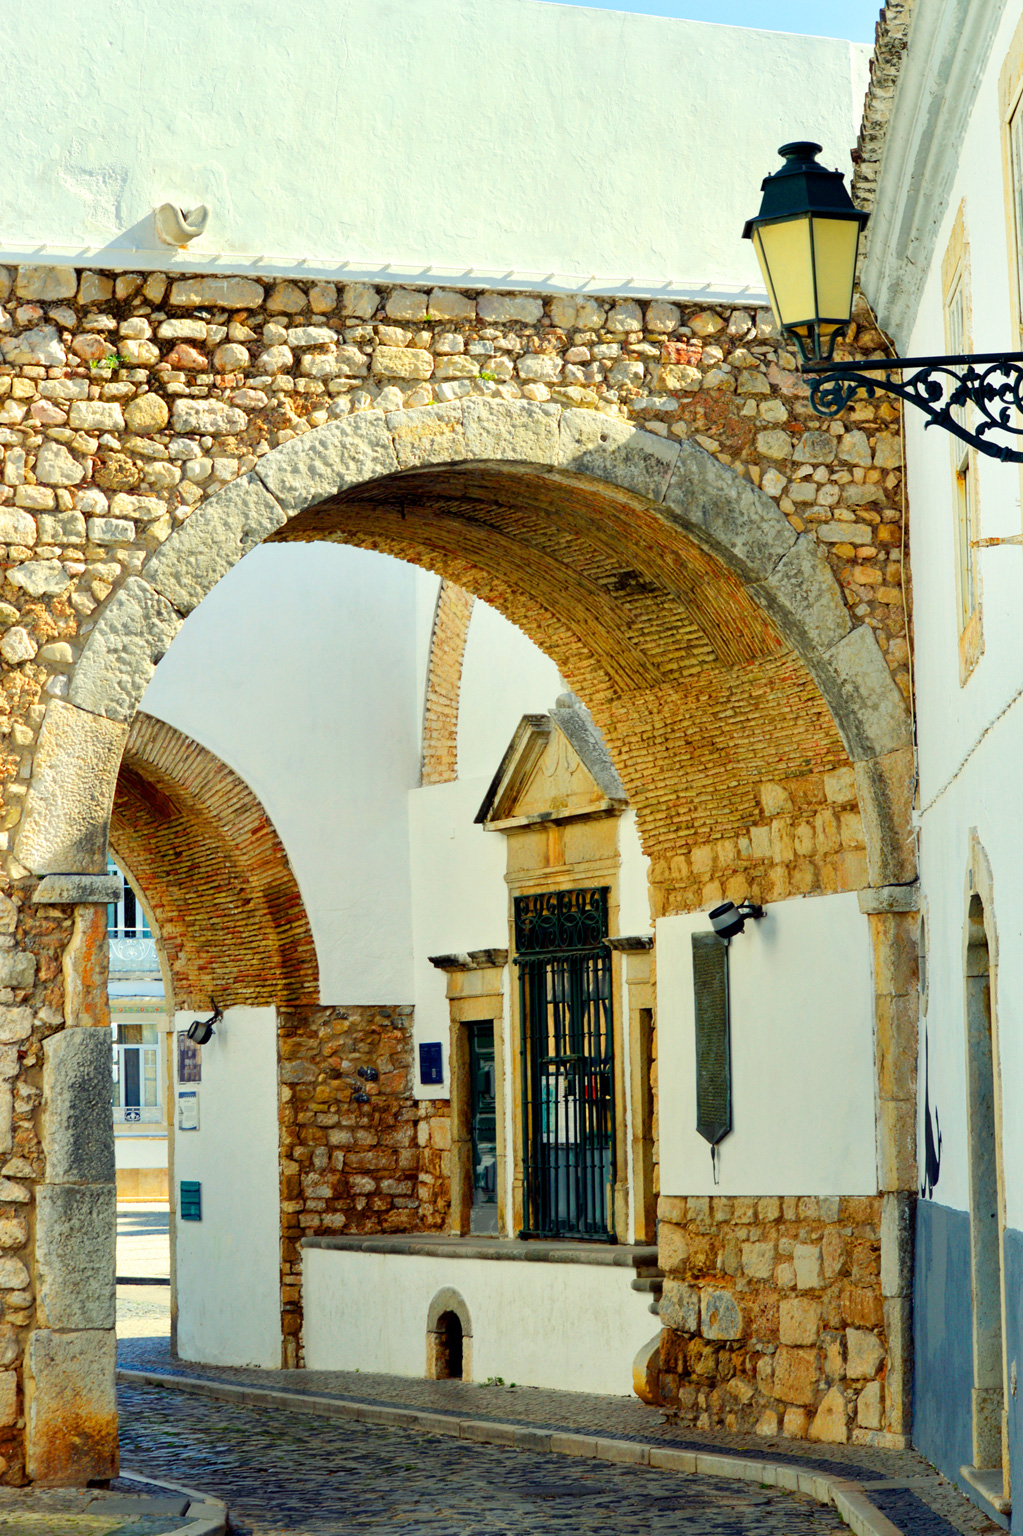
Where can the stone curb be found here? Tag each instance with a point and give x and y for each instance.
(843, 1494)
(205, 1516)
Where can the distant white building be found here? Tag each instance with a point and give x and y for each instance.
(138, 1022)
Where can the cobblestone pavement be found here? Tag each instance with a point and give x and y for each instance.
(88, 1512)
(289, 1474)
(932, 1507)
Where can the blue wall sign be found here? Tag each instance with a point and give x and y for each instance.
(431, 1063)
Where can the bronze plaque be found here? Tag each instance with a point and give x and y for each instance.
(713, 1053)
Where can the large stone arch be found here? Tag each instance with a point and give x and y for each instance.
(673, 595)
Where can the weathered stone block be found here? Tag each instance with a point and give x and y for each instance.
(898, 1238)
(69, 890)
(720, 1317)
(886, 787)
(77, 1128)
(217, 292)
(71, 1407)
(829, 1422)
(527, 431)
(869, 710)
(864, 1353)
(403, 362)
(15, 1024)
(799, 1320)
(795, 1374)
(616, 451)
(729, 517)
(429, 434)
(758, 1260)
(896, 1046)
(17, 968)
(896, 1145)
(75, 1229)
(67, 811)
(809, 1270)
(213, 540)
(46, 283)
(869, 1406)
(805, 599)
(680, 1306)
(121, 655)
(498, 308)
(672, 1248)
(327, 460)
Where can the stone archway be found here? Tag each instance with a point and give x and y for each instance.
(709, 638)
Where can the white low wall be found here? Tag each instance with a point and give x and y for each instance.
(228, 1264)
(573, 1326)
(801, 993)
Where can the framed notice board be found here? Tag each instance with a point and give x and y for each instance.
(713, 1045)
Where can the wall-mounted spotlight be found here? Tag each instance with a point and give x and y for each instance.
(176, 227)
(201, 1030)
(728, 920)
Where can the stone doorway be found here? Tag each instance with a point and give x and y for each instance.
(990, 1471)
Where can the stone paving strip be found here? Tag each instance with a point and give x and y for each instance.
(132, 1506)
(877, 1493)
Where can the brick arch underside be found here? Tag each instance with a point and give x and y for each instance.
(700, 700)
(203, 852)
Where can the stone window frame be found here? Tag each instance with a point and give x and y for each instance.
(957, 313)
(476, 995)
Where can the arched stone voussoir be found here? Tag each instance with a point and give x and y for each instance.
(214, 539)
(66, 820)
(328, 460)
(803, 597)
(617, 452)
(728, 516)
(871, 714)
(132, 634)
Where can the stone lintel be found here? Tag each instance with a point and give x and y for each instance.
(473, 960)
(639, 941)
(891, 898)
(72, 890)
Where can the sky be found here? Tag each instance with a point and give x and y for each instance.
(852, 19)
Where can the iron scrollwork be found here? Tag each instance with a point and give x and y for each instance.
(944, 388)
(553, 921)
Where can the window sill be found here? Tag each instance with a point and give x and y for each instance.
(988, 1482)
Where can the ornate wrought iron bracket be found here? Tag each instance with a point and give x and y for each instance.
(944, 388)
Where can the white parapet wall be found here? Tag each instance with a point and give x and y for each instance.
(228, 1263)
(571, 1326)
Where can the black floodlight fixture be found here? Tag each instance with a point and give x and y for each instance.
(728, 920)
(807, 237)
(201, 1030)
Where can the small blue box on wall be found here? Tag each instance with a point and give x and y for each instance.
(190, 1203)
(431, 1063)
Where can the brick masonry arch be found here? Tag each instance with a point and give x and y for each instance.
(215, 874)
(439, 757)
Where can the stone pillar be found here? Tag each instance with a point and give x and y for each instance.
(894, 925)
(70, 1400)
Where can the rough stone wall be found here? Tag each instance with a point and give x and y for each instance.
(32, 941)
(382, 1166)
(891, 41)
(774, 1318)
(444, 680)
(214, 872)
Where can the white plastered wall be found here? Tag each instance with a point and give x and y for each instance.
(299, 672)
(595, 114)
(537, 1325)
(970, 734)
(228, 1264)
(802, 1052)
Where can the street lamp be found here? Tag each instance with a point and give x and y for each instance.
(807, 237)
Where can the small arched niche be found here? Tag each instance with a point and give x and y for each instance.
(448, 1338)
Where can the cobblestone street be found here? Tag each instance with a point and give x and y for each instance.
(294, 1475)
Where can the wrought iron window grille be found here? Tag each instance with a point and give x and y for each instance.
(567, 1061)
